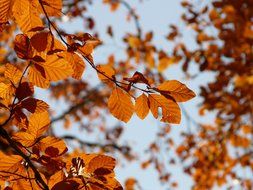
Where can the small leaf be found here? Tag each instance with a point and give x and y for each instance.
(22, 46)
(6, 90)
(39, 41)
(120, 105)
(177, 90)
(99, 162)
(34, 105)
(170, 110)
(77, 64)
(107, 73)
(24, 90)
(12, 73)
(141, 106)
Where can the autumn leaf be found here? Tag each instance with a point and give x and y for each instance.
(6, 90)
(10, 163)
(39, 41)
(36, 77)
(12, 73)
(53, 146)
(77, 64)
(120, 105)
(101, 162)
(177, 90)
(5, 10)
(53, 8)
(106, 72)
(24, 90)
(22, 46)
(55, 68)
(38, 124)
(170, 109)
(26, 14)
(141, 106)
(34, 105)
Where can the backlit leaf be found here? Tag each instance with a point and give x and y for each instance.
(26, 14)
(55, 68)
(77, 64)
(5, 10)
(13, 73)
(101, 161)
(120, 105)
(141, 106)
(170, 110)
(34, 105)
(6, 90)
(177, 90)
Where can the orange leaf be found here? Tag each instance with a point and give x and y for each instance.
(107, 73)
(77, 64)
(55, 68)
(6, 90)
(26, 14)
(5, 10)
(101, 162)
(22, 46)
(38, 123)
(26, 139)
(24, 90)
(10, 163)
(170, 110)
(52, 7)
(39, 41)
(120, 105)
(141, 106)
(177, 90)
(34, 105)
(55, 178)
(13, 73)
(53, 146)
(36, 78)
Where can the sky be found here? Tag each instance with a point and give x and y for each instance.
(155, 15)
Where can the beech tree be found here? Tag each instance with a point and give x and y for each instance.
(37, 53)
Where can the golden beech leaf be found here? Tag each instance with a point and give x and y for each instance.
(38, 123)
(55, 178)
(177, 90)
(5, 7)
(52, 7)
(170, 109)
(120, 105)
(164, 63)
(77, 64)
(39, 41)
(10, 163)
(12, 73)
(24, 90)
(54, 68)
(101, 162)
(26, 14)
(53, 146)
(26, 139)
(6, 90)
(141, 106)
(36, 78)
(107, 73)
(22, 46)
(34, 105)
